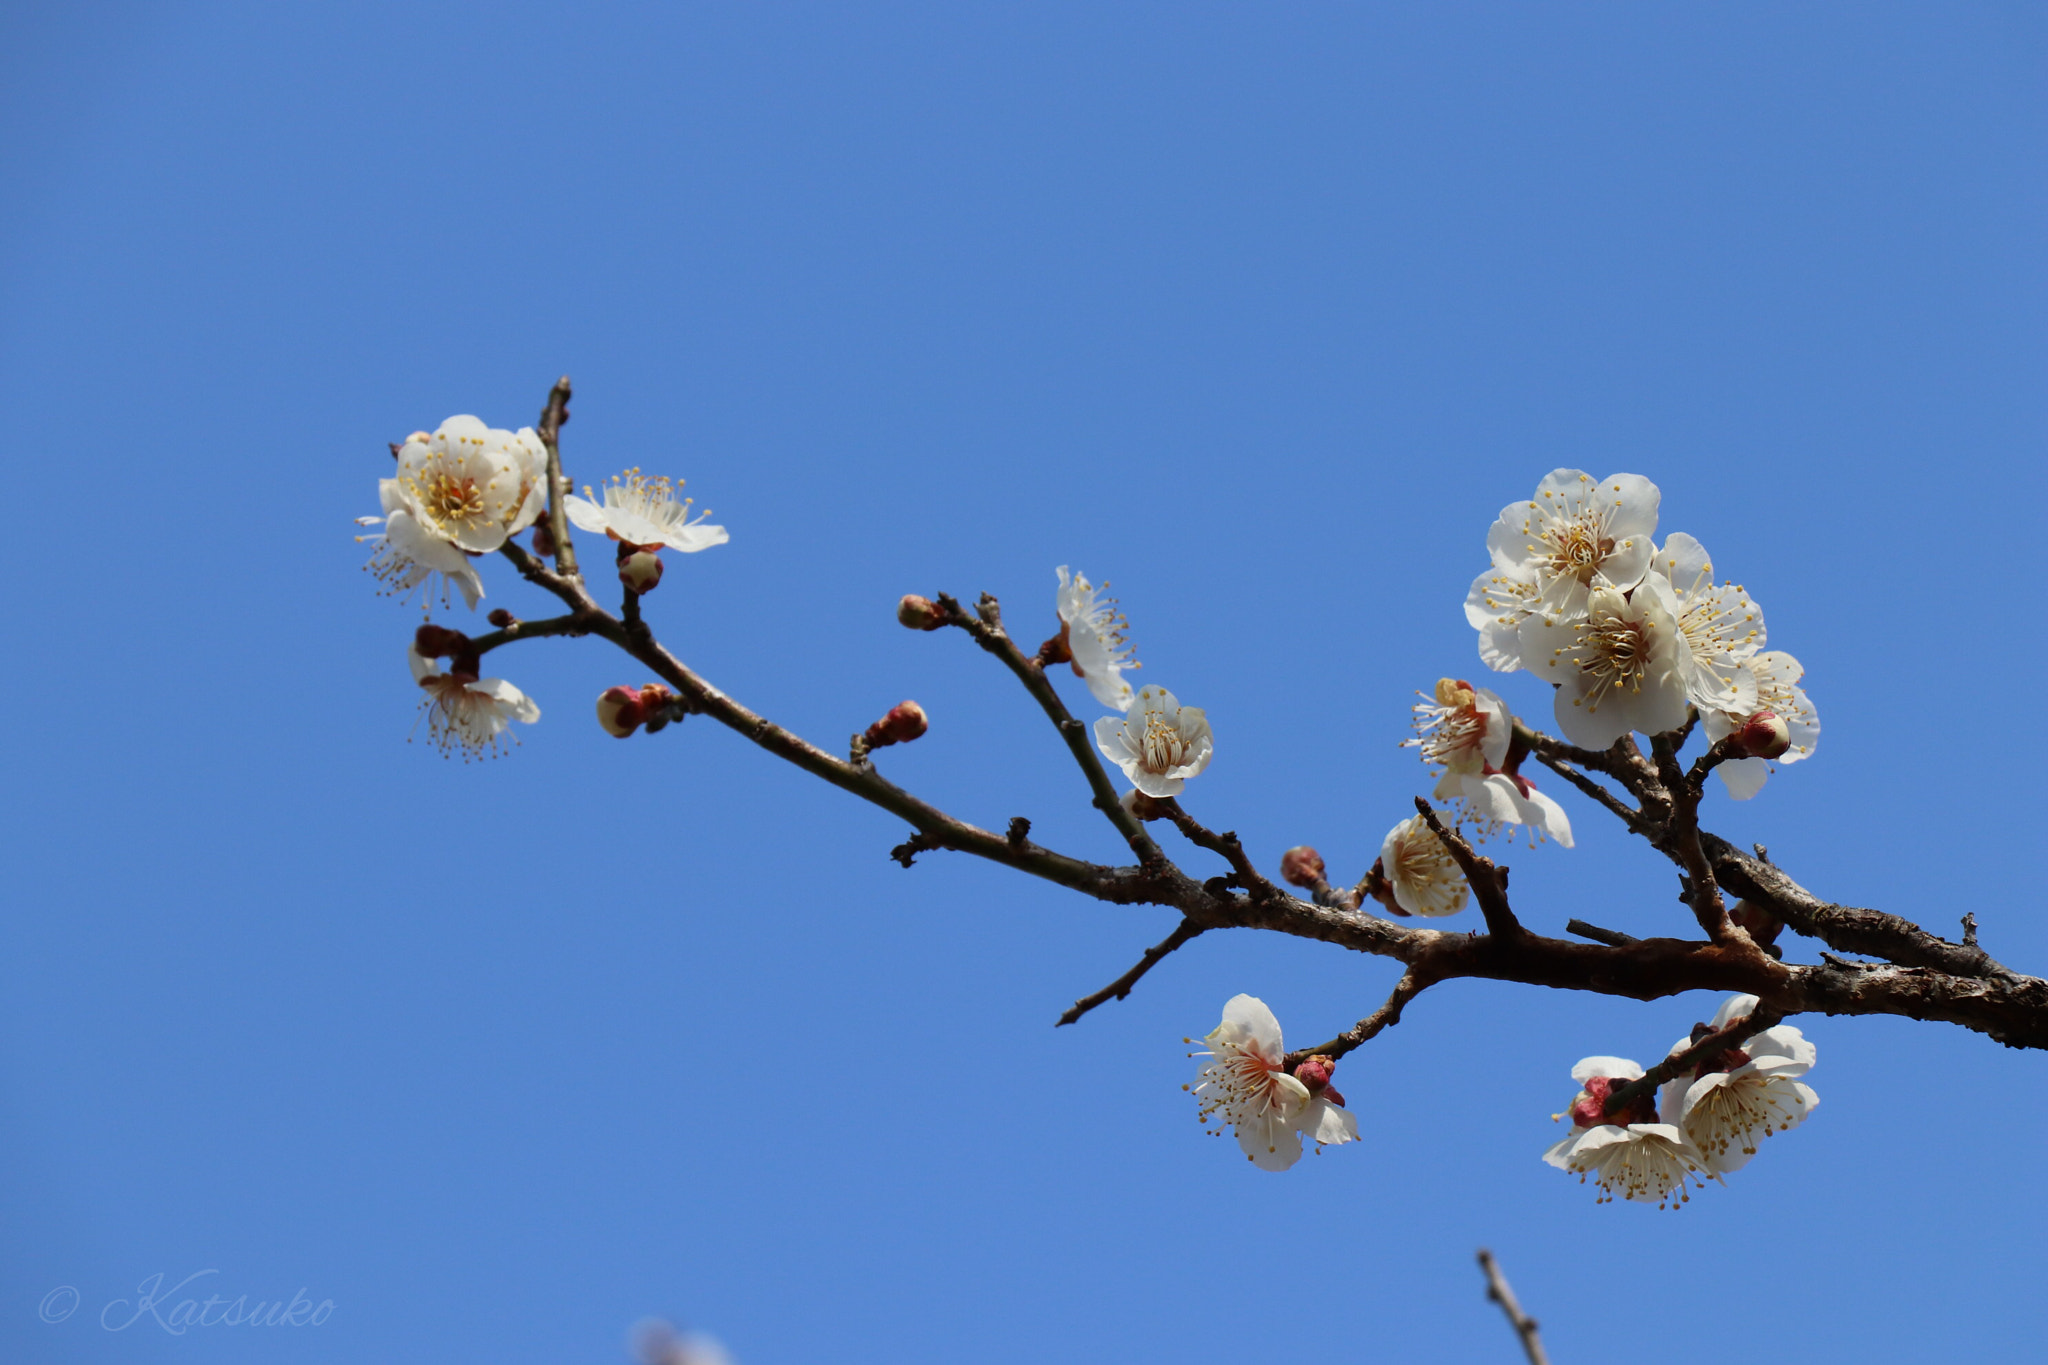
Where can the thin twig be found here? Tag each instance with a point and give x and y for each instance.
(1628, 815)
(1225, 845)
(1121, 987)
(1379, 1021)
(550, 432)
(987, 629)
(1488, 882)
(1525, 1326)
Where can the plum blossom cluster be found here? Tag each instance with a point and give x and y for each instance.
(464, 490)
(1246, 1086)
(1705, 1122)
(1636, 637)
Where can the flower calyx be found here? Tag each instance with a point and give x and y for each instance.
(438, 642)
(1590, 1109)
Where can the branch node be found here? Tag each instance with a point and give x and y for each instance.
(907, 851)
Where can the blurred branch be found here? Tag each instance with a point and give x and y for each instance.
(1525, 1326)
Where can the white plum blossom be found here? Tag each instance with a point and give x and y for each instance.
(1574, 535)
(1621, 665)
(1497, 603)
(1246, 1084)
(1468, 731)
(1775, 676)
(1721, 626)
(1742, 1096)
(645, 513)
(1094, 632)
(407, 556)
(1637, 1158)
(471, 485)
(1158, 743)
(1420, 871)
(467, 713)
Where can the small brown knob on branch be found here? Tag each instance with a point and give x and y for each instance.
(904, 722)
(543, 539)
(919, 613)
(1301, 866)
(502, 619)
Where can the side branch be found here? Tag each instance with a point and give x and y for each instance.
(987, 630)
(1489, 883)
(1379, 1021)
(1524, 1325)
(1121, 987)
(1225, 845)
(1846, 928)
(550, 432)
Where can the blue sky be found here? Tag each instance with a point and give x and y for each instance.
(1262, 313)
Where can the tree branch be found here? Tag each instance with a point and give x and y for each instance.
(1226, 846)
(987, 630)
(1379, 1021)
(1489, 883)
(1121, 987)
(1524, 1325)
(550, 432)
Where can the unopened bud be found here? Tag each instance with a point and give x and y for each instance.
(904, 722)
(640, 570)
(1301, 866)
(1757, 921)
(543, 539)
(620, 711)
(1764, 735)
(1455, 693)
(1141, 806)
(1315, 1074)
(439, 642)
(502, 619)
(919, 613)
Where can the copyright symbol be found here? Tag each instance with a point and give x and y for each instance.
(59, 1304)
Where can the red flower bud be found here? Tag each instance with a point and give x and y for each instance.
(1301, 866)
(904, 722)
(620, 711)
(543, 539)
(1315, 1074)
(919, 613)
(501, 618)
(640, 570)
